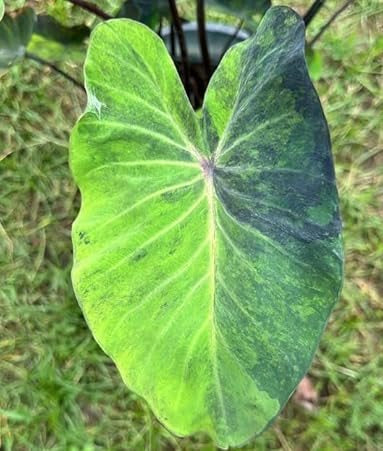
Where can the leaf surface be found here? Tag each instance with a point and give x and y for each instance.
(15, 33)
(207, 254)
(2, 9)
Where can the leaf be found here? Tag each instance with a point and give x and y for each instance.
(249, 11)
(218, 36)
(2, 9)
(148, 12)
(56, 42)
(15, 34)
(207, 254)
(244, 9)
(54, 51)
(50, 29)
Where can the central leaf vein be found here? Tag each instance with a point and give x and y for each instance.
(210, 192)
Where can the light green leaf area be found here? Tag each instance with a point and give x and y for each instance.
(2, 9)
(207, 252)
(15, 33)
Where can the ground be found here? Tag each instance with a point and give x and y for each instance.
(59, 391)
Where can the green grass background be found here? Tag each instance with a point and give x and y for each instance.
(58, 391)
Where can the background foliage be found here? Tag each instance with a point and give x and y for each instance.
(58, 390)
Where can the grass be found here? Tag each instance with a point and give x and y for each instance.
(58, 391)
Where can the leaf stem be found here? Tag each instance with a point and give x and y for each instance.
(329, 22)
(202, 38)
(44, 62)
(181, 39)
(91, 8)
(313, 11)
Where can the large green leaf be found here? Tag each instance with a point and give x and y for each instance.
(15, 33)
(207, 256)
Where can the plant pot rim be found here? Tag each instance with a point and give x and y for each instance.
(218, 38)
(211, 26)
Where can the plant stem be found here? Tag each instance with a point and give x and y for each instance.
(313, 10)
(231, 39)
(329, 22)
(202, 38)
(91, 8)
(181, 40)
(43, 62)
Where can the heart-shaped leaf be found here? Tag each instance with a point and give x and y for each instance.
(15, 33)
(207, 255)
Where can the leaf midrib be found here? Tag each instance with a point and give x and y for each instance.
(212, 232)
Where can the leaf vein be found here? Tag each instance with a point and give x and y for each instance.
(160, 233)
(163, 284)
(259, 234)
(148, 198)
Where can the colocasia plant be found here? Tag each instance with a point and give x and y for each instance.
(207, 251)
